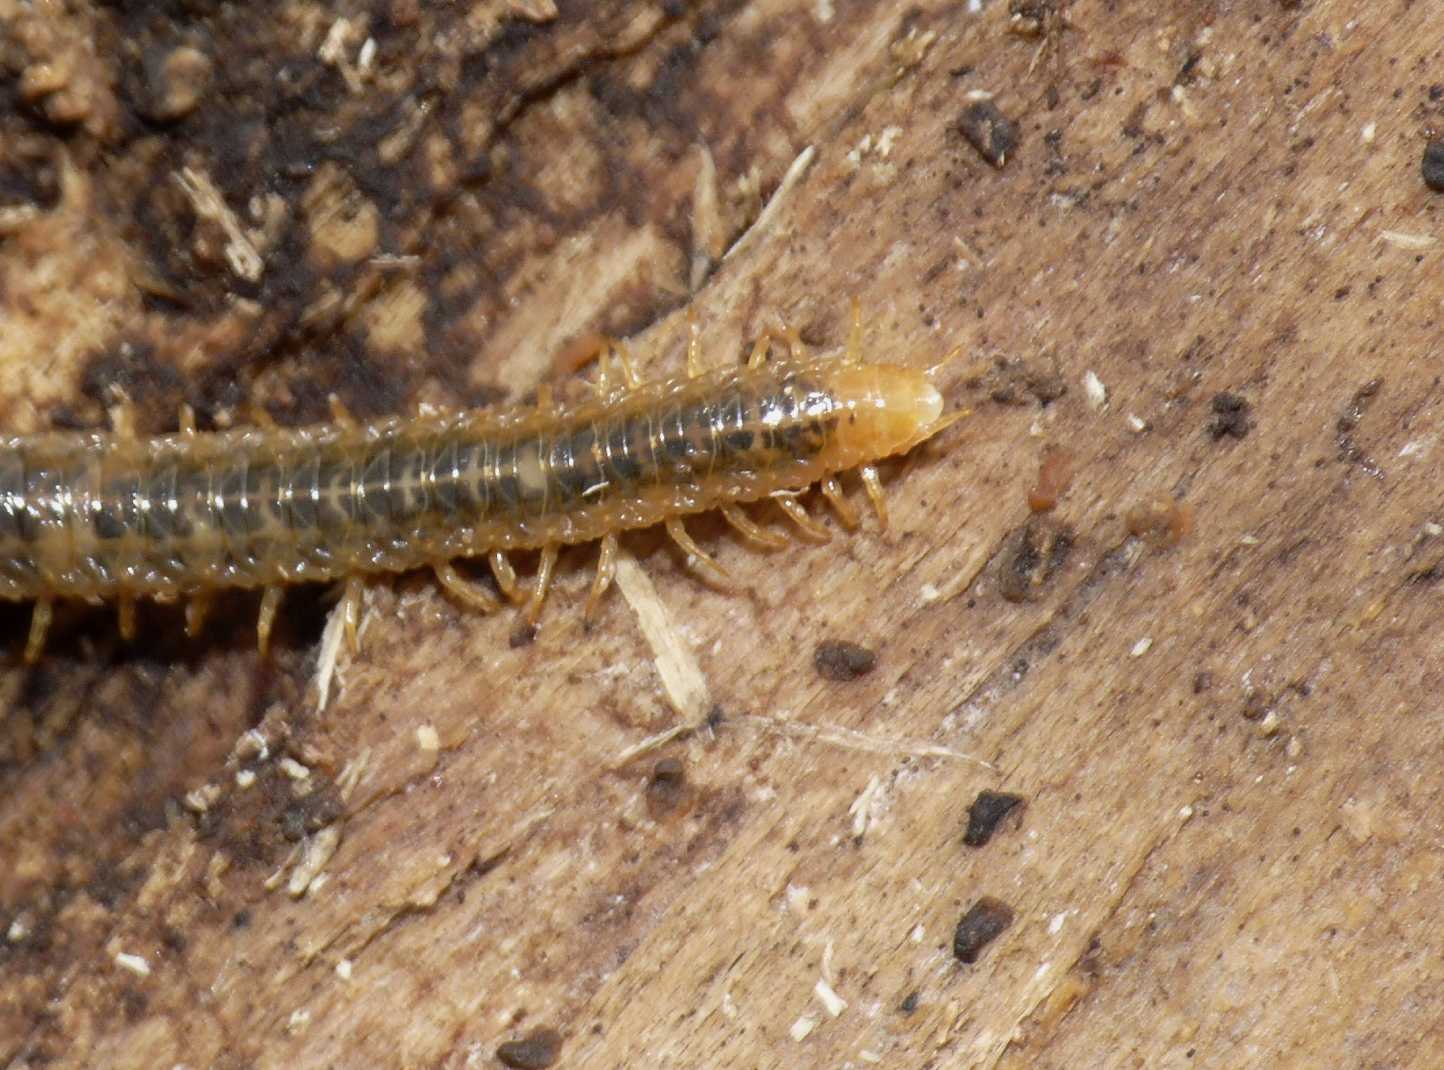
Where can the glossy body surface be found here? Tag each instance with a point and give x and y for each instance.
(97, 516)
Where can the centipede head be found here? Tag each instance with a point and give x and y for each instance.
(887, 409)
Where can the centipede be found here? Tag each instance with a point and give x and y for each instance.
(114, 516)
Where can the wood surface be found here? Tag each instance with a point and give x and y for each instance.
(1205, 286)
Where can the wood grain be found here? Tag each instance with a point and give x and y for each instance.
(1206, 277)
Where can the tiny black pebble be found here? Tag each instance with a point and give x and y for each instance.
(989, 808)
(1434, 166)
(1230, 416)
(909, 1003)
(535, 1051)
(989, 131)
(839, 660)
(984, 922)
(523, 636)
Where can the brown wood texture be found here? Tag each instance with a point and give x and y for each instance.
(1203, 292)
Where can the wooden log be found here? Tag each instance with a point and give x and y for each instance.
(1190, 258)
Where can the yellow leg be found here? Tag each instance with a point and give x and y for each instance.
(694, 344)
(122, 416)
(472, 595)
(795, 349)
(874, 493)
(125, 616)
(697, 559)
(798, 515)
(545, 401)
(187, 421)
(40, 619)
(606, 570)
(750, 529)
(544, 570)
(854, 334)
(340, 414)
(604, 378)
(259, 417)
(506, 576)
(196, 609)
(832, 491)
(760, 350)
(266, 621)
(351, 603)
(629, 368)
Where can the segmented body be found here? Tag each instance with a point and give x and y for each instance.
(99, 516)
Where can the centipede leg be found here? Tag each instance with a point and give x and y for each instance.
(545, 400)
(854, 334)
(270, 605)
(40, 619)
(873, 486)
(606, 571)
(694, 344)
(472, 595)
(351, 602)
(698, 560)
(760, 350)
(196, 609)
(629, 368)
(187, 420)
(544, 571)
(340, 414)
(832, 491)
(750, 529)
(795, 349)
(125, 616)
(604, 377)
(506, 576)
(799, 516)
(122, 415)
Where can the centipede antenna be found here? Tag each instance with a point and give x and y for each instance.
(750, 529)
(40, 619)
(799, 516)
(270, 605)
(351, 603)
(832, 491)
(125, 615)
(506, 576)
(694, 344)
(942, 423)
(471, 595)
(545, 569)
(197, 607)
(873, 485)
(951, 357)
(606, 571)
(698, 560)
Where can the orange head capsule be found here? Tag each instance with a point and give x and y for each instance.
(886, 409)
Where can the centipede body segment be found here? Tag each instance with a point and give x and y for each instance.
(110, 516)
